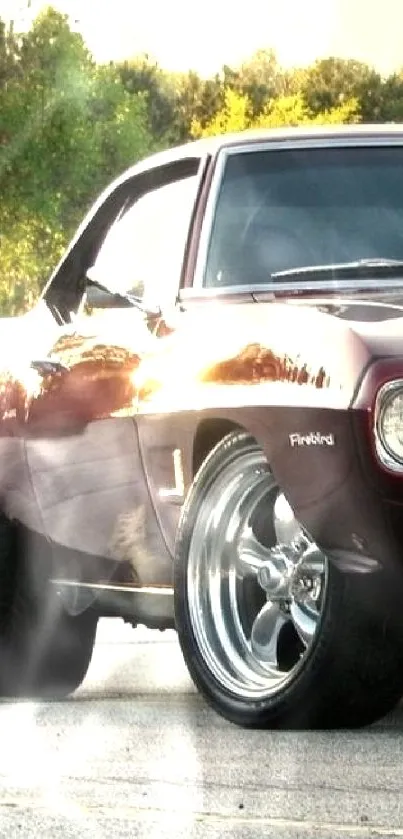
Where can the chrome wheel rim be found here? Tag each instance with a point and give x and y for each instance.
(256, 581)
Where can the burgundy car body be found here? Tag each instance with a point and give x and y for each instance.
(106, 417)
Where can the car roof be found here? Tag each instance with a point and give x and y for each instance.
(198, 149)
(212, 145)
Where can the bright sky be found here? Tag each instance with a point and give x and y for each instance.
(182, 34)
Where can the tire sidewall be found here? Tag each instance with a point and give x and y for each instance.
(304, 697)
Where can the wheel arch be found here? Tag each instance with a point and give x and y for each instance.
(358, 612)
(209, 432)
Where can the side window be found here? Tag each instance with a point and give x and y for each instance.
(143, 250)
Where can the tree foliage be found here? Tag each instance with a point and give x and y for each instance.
(293, 111)
(142, 76)
(259, 79)
(29, 250)
(280, 112)
(329, 81)
(68, 126)
(233, 116)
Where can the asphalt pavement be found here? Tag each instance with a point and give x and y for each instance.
(137, 753)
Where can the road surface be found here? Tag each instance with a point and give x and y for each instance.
(136, 753)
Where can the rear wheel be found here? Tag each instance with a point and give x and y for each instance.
(44, 652)
(272, 633)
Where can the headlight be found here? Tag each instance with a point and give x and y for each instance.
(389, 424)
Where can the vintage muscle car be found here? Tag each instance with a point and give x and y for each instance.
(202, 428)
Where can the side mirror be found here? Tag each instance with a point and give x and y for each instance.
(101, 298)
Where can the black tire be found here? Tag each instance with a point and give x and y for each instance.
(352, 672)
(44, 652)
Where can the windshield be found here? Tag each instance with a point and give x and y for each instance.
(280, 210)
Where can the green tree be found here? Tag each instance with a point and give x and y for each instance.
(70, 125)
(385, 103)
(67, 127)
(259, 78)
(39, 113)
(234, 116)
(330, 81)
(281, 112)
(29, 250)
(284, 111)
(294, 80)
(196, 100)
(143, 76)
(292, 111)
(116, 128)
(9, 55)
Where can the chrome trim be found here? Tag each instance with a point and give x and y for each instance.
(175, 494)
(313, 142)
(148, 605)
(385, 455)
(151, 590)
(295, 286)
(209, 214)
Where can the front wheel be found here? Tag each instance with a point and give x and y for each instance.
(272, 633)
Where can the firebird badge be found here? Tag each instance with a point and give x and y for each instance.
(313, 438)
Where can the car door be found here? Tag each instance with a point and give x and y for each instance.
(88, 478)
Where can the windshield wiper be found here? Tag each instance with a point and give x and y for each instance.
(370, 269)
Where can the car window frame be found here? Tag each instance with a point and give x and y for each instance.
(133, 202)
(194, 287)
(66, 287)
